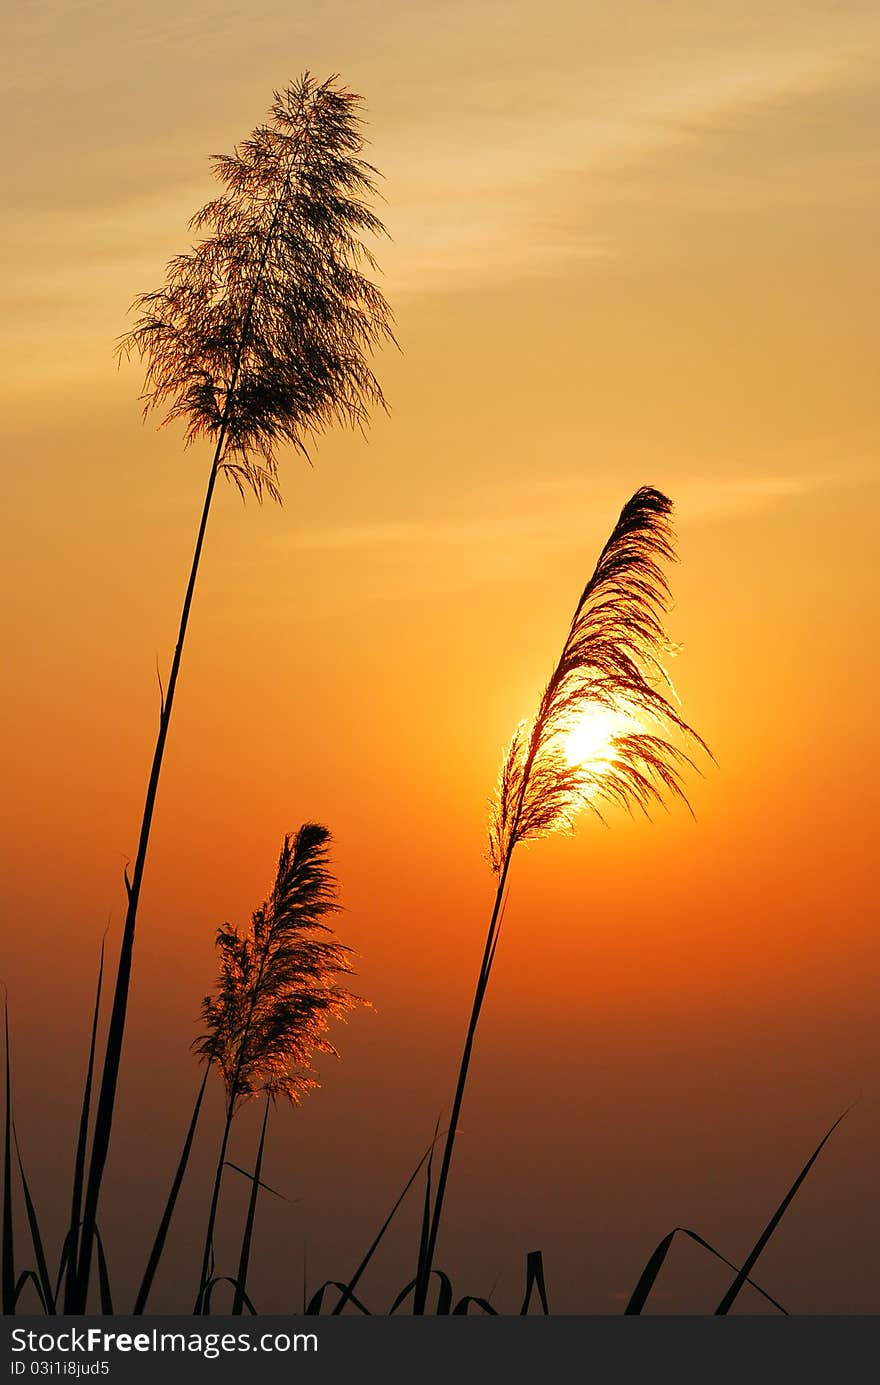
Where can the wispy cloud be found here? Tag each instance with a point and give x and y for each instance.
(505, 531)
(508, 152)
(536, 192)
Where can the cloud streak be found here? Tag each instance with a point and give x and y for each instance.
(508, 530)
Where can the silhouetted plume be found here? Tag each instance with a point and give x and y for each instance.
(612, 659)
(276, 992)
(261, 332)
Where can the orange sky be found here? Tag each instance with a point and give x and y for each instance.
(630, 245)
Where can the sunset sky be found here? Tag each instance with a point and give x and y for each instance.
(628, 244)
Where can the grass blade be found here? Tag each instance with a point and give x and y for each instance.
(164, 1224)
(62, 1265)
(79, 1163)
(535, 1280)
(648, 1276)
(7, 1254)
(42, 1268)
(444, 1296)
(20, 1285)
(461, 1308)
(244, 1259)
(347, 1290)
(652, 1269)
(249, 1176)
(729, 1298)
(103, 1277)
(402, 1296)
(225, 1279)
(423, 1267)
(314, 1304)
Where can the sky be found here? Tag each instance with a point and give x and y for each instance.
(631, 244)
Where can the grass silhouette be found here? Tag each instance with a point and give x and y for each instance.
(276, 993)
(259, 338)
(612, 660)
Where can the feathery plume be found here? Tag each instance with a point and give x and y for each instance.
(276, 991)
(612, 662)
(275, 996)
(261, 333)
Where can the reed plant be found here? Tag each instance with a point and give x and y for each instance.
(230, 997)
(259, 338)
(276, 993)
(612, 664)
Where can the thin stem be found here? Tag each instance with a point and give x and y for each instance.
(116, 1030)
(8, 1251)
(212, 1213)
(80, 1158)
(424, 1273)
(349, 1289)
(244, 1258)
(177, 1182)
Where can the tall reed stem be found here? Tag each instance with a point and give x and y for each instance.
(116, 1030)
(611, 658)
(247, 1237)
(205, 1273)
(80, 1157)
(423, 1277)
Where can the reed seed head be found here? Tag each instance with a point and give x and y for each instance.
(277, 989)
(261, 333)
(612, 662)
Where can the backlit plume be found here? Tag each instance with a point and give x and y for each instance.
(603, 727)
(277, 991)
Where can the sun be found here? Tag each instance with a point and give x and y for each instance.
(590, 739)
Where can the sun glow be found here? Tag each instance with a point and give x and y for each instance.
(590, 739)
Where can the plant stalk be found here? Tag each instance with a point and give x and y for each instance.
(424, 1276)
(7, 1255)
(244, 1258)
(212, 1213)
(79, 1163)
(116, 1030)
